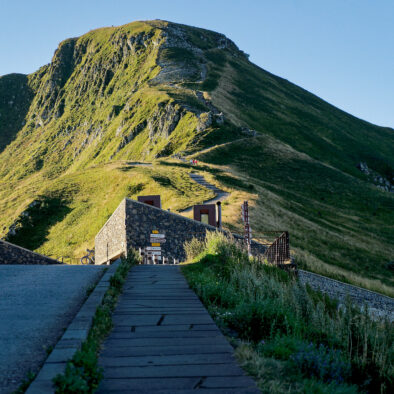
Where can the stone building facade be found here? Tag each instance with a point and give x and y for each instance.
(132, 223)
(110, 242)
(14, 254)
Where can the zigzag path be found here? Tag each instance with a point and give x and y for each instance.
(164, 340)
(220, 194)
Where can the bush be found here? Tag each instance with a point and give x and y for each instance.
(116, 281)
(321, 362)
(81, 376)
(280, 347)
(193, 248)
(256, 302)
(257, 320)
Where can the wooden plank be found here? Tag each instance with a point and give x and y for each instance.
(164, 340)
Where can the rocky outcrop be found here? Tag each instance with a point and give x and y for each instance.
(131, 135)
(248, 132)
(16, 96)
(381, 182)
(181, 59)
(50, 98)
(164, 120)
(213, 116)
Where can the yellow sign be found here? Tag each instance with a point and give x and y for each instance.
(155, 244)
(155, 232)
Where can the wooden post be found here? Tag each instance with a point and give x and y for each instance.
(248, 231)
(219, 204)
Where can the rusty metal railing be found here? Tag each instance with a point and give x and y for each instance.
(278, 253)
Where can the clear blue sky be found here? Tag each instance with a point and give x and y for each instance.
(341, 50)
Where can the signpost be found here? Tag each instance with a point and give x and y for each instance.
(151, 248)
(153, 253)
(158, 241)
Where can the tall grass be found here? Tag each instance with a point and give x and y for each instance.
(282, 319)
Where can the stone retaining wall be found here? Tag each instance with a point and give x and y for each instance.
(14, 254)
(132, 223)
(110, 242)
(378, 304)
(142, 219)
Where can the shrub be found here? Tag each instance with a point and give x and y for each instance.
(280, 347)
(81, 376)
(257, 320)
(116, 281)
(321, 362)
(260, 302)
(193, 248)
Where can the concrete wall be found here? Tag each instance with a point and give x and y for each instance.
(132, 223)
(13, 254)
(110, 242)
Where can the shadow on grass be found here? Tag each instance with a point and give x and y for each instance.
(14, 107)
(32, 227)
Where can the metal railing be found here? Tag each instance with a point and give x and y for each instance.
(88, 259)
(67, 259)
(277, 249)
(278, 253)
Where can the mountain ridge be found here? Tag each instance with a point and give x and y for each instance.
(151, 90)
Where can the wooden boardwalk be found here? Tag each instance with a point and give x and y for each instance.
(164, 340)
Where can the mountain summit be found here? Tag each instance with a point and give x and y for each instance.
(147, 91)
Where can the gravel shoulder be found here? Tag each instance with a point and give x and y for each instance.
(36, 305)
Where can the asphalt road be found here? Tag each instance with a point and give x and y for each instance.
(36, 305)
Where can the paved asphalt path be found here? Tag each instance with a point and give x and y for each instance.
(164, 341)
(36, 305)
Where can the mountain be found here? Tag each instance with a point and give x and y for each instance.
(154, 90)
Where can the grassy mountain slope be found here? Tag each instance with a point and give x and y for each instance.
(148, 90)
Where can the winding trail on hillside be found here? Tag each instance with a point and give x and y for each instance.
(378, 304)
(139, 164)
(210, 148)
(220, 194)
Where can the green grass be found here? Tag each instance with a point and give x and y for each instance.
(289, 337)
(339, 225)
(78, 204)
(64, 137)
(33, 228)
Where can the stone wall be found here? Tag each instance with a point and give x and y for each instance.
(132, 223)
(13, 254)
(142, 219)
(110, 242)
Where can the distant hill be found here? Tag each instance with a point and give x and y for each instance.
(150, 90)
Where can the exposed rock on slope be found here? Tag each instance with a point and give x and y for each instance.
(157, 89)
